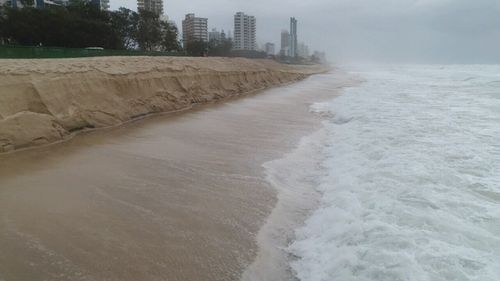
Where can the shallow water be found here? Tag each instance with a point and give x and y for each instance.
(412, 179)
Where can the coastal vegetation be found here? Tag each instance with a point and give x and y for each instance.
(82, 24)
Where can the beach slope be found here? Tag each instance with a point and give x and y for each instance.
(45, 101)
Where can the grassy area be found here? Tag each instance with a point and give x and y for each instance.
(25, 52)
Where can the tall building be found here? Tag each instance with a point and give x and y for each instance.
(214, 35)
(270, 49)
(285, 43)
(155, 6)
(293, 38)
(303, 50)
(194, 29)
(245, 29)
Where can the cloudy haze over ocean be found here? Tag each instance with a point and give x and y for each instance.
(459, 31)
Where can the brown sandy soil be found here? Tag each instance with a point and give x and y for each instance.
(45, 101)
(172, 197)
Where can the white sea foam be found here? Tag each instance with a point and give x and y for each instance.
(413, 188)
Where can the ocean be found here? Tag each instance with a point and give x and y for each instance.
(410, 181)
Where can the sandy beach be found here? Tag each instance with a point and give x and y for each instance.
(47, 100)
(172, 197)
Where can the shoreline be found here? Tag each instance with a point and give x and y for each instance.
(179, 196)
(293, 176)
(295, 202)
(192, 107)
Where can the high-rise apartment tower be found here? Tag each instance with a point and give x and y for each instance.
(285, 43)
(155, 6)
(293, 38)
(194, 29)
(245, 32)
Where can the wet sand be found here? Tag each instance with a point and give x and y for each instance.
(172, 197)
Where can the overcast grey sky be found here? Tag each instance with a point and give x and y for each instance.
(456, 31)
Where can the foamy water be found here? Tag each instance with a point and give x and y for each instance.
(412, 189)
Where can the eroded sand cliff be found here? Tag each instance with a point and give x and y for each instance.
(45, 101)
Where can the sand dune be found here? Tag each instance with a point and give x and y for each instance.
(44, 101)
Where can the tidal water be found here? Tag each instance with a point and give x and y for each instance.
(410, 178)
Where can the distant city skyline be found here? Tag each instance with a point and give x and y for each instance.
(457, 31)
(267, 28)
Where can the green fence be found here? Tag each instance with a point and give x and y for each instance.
(23, 52)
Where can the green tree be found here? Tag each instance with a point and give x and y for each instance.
(83, 24)
(220, 48)
(169, 35)
(149, 31)
(78, 26)
(20, 26)
(2, 23)
(196, 48)
(87, 10)
(125, 23)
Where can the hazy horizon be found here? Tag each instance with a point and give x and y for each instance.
(440, 31)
